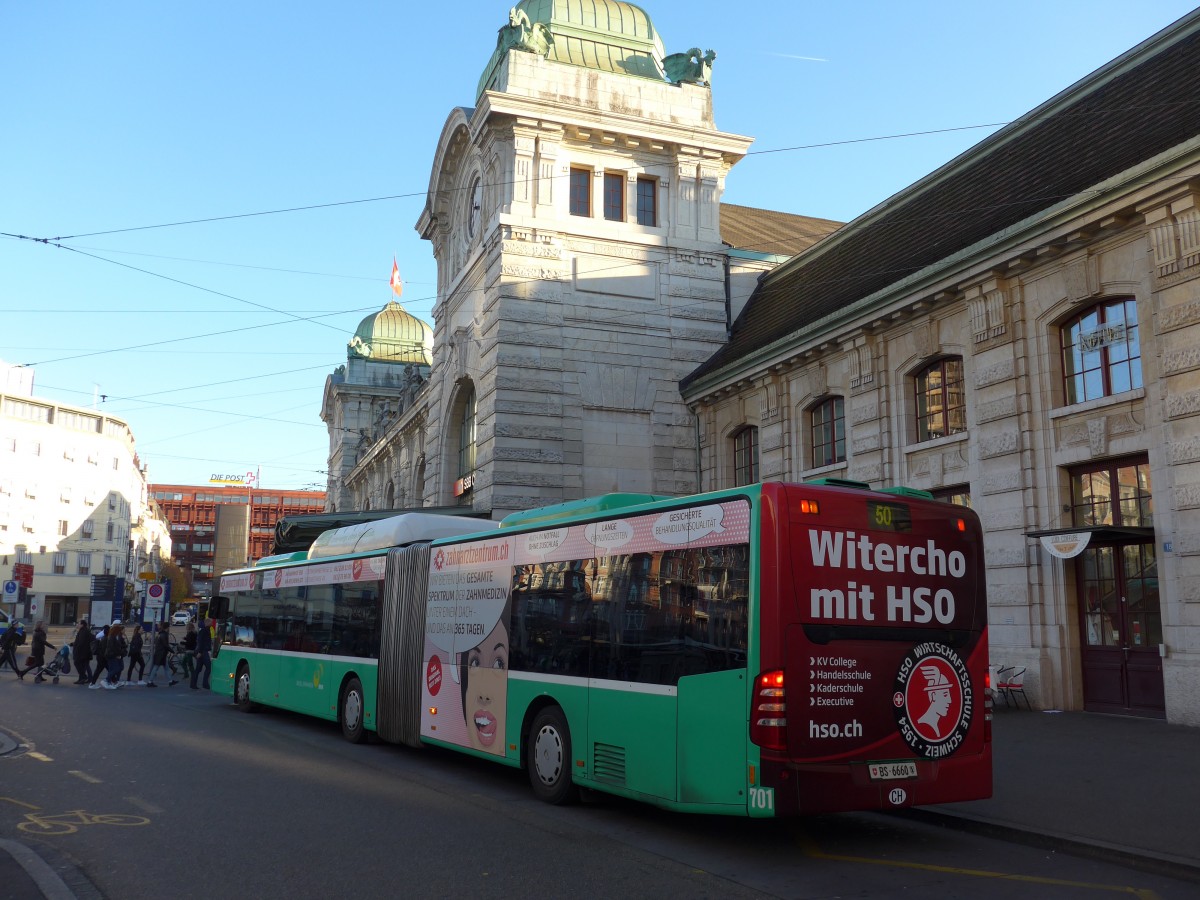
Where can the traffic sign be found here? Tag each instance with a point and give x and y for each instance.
(23, 574)
(147, 576)
(154, 591)
(10, 590)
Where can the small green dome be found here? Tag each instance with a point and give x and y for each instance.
(609, 35)
(393, 335)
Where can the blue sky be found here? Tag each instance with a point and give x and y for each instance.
(121, 115)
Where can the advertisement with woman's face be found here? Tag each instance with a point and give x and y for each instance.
(485, 690)
(467, 646)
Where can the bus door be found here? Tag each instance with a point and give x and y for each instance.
(632, 691)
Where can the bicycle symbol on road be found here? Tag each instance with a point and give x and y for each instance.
(70, 821)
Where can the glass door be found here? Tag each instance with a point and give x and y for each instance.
(1117, 580)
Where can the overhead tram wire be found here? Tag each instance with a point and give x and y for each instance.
(398, 196)
(425, 193)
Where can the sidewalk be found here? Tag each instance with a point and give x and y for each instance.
(1126, 788)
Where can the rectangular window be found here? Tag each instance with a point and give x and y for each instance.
(62, 527)
(108, 564)
(84, 561)
(581, 192)
(88, 528)
(829, 432)
(745, 456)
(647, 201)
(60, 564)
(614, 197)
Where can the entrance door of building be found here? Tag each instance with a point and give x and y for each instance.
(1122, 629)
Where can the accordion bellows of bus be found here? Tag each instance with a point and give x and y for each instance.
(774, 649)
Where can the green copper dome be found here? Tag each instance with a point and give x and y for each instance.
(394, 336)
(609, 35)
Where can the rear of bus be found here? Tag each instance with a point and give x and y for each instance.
(871, 690)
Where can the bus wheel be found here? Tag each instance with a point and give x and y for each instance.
(350, 712)
(241, 689)
(549, 757)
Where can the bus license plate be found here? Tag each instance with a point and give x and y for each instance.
(892, 771)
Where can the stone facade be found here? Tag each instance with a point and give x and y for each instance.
(1000, 312)
(568, 333)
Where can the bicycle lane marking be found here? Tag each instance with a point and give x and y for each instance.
(811, 850)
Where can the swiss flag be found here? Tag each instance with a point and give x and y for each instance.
(397, 285)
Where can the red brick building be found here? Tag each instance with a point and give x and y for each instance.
(191, 511)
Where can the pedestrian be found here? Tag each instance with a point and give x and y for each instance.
(13, 638)
(203, 657)
(81, 649)
(114, 653)
(189, 650)
(158, 658)
(37, 652)
(135, 656)
(100, 654)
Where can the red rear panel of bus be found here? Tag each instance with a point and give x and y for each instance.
(874, 608)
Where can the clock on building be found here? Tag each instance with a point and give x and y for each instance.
(473, 210)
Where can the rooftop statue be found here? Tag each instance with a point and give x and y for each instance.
(690, 67)
(521, 34)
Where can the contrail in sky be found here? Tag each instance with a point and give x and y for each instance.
(794, 56)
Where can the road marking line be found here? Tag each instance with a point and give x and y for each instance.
(41, 757)
(812, 850)
(85, 776)
(145, 806)
(19, 803)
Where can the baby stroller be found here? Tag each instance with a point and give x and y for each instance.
(60, 664)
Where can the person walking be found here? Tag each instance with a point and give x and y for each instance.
(203, 657)
(114, 653)
(100, 654)
(81, 649)
(13, 638)
(158, 658)
(135, 656)
(189, 650)
(37, 652)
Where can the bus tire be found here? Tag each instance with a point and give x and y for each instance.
(548, 757)
(350, 712)
(241, 689)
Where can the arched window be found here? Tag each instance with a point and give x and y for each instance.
(1100, 351)
(466, 435)
(389, 496)
(745, 456)
(941, 399)
(828, 424)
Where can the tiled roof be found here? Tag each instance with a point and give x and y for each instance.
(767, 231)
(1135, 107)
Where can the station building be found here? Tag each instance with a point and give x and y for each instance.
(1017, 332)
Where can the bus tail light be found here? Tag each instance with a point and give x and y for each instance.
(768, 714)
(810, 507)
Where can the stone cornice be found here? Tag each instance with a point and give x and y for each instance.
(550, 115)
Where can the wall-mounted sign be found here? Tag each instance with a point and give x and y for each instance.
(1065, 546)
(464, 484)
